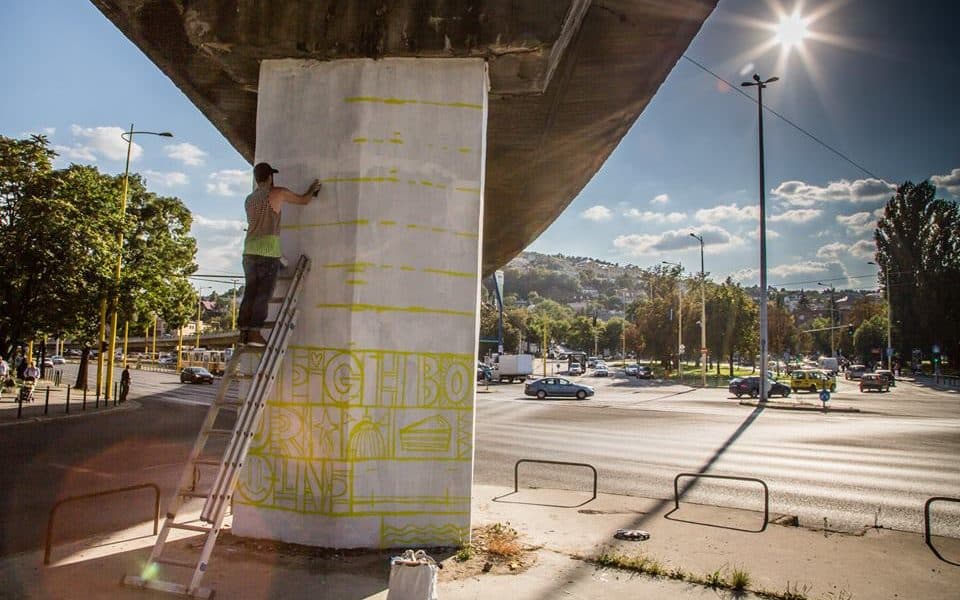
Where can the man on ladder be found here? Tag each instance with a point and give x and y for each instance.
(261, 249)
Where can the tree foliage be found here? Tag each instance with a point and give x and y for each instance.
(58, 238)
(918, 249)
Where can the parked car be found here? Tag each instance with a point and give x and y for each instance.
(48, 363)
(812, 380)
(58, 360)
(855, 372)
(750, 386)
(601, 371)
(644, 372)
(196, 375)
(889, 376)
(631, 370)
(73, 353)
(167, 361)
(574, 369)
(873, 381)
(556, 386)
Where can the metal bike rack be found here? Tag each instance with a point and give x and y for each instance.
(766, 490)
(59, 503)
(516, 471)
(926, 522)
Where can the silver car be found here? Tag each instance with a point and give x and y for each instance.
(557, 386)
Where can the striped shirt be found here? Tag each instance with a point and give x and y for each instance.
(263, 225)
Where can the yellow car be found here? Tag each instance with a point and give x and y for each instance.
(813, 380)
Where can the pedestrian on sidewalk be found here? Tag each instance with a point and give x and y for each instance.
(30, 375)
(261, 248)
(124, 384)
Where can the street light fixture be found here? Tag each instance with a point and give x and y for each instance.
(679, 322)
(886, 280)
(703, 312)
(127, 137)
(760, 84)
(833, 320)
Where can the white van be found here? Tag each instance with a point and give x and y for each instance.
(829, 364)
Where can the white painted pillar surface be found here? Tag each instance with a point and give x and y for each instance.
(368, 438)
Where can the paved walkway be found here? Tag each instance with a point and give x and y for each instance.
(50, 401)
(563, 531)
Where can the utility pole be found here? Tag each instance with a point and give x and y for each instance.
(679, 321)
(833, 320)
(886, 280)
(703, 312)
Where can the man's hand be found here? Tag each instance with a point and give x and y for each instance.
(314, 188)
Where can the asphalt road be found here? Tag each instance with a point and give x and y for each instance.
(843, 467)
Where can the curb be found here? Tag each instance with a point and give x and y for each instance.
(802, 407)
(128, 405)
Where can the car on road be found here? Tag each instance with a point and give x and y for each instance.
(888, 374)
(73, 353)
(557, 386)
(750, 386)
(167, 361)
(196, 375)
(58, 360)
(812, 380)
(873, 381)
(48, 363)
(574, 369)
(855, 372)
(644, 372)
(631, 370)
(601, 371)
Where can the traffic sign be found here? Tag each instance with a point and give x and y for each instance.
(824, 396)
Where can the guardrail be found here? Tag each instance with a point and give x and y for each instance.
(61, 502)
(516, 471)
(926, 523)
(766, 490)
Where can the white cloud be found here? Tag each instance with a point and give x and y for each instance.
(230, 182)
(728, 212)
(597, 214)
(858, 223)
(832, 251)
(828, 269)
(771, 234)
(797, 216)
(98, 142)
(169, 179)
(646, 216)
(863, 249)
(950, 182)
(660, 199)
(186, 153)
(47, 131)
(798, 193)
(716, 239)
(219, 243)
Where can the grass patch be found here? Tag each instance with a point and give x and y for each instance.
(739, 579)
(501, 541)
(640, 563)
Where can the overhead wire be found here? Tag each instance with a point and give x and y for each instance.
(784, 119)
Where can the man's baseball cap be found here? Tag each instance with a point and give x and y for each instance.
(262, 171)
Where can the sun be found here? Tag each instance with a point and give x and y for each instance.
(791, 31)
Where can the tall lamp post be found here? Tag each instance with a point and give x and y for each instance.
(760, 84)
(679, 322)
(199, 307)
(833, 319)
(886, 281)
(703, 312)
(127, 137)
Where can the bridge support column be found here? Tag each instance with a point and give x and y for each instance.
(368, 438)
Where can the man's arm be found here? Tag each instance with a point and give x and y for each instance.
(279, 195)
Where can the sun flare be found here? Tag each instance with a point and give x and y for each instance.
(792, 30)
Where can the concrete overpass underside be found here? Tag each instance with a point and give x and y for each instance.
(567, 77)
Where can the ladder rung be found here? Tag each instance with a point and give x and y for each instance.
(186, 527)
(192, 494)
(220, 431)
(187, 564)
(205, 461)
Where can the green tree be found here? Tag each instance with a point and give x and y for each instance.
(732, 323)
(918, 248)
(869, 336)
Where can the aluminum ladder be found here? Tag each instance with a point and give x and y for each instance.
(249, 413)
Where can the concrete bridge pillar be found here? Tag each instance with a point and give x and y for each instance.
(368, 437)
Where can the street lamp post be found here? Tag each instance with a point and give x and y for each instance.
(127, 137)
(760, 84)
(703, 312)
(199, 307)
(833, 320)
(886, 280)
(679, 322)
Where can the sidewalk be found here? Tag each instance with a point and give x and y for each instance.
(562, 532)
(51, 401)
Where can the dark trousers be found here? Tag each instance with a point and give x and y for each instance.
(260, 274)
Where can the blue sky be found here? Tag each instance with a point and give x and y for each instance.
(876, 79)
